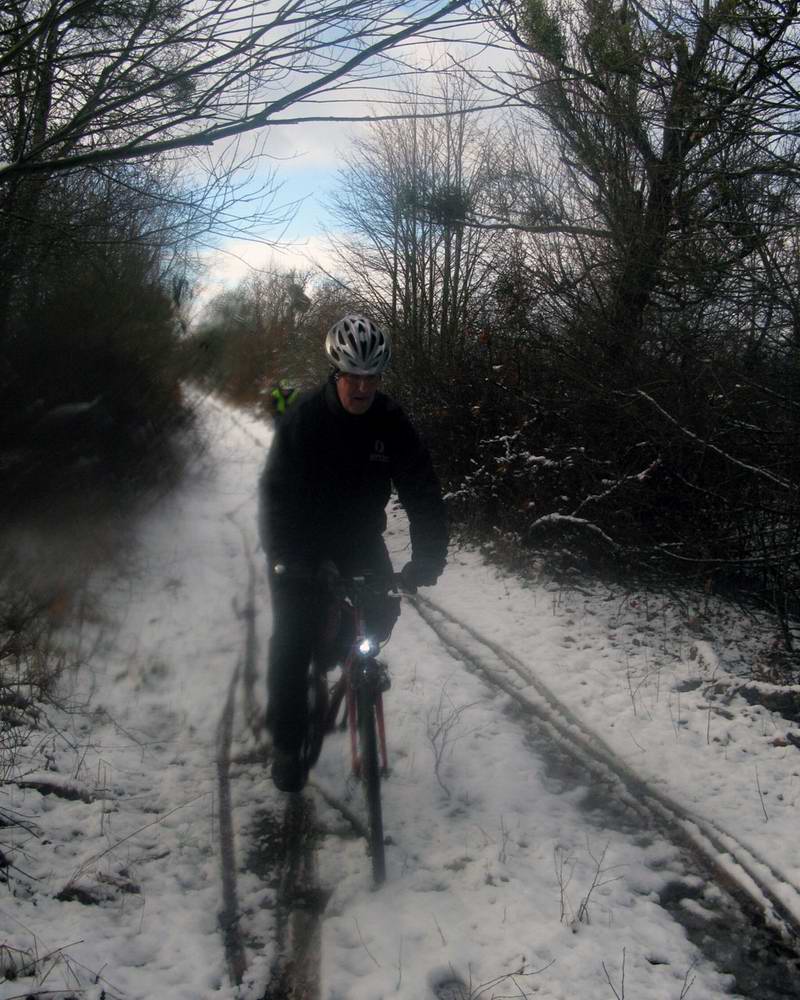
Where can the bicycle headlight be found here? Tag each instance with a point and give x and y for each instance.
(367, 647)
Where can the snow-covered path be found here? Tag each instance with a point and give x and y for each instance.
(504, 868)
(168, 639)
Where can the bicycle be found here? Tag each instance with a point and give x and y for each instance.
(360, 686)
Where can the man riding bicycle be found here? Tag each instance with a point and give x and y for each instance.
(282, 397)
(334, 459)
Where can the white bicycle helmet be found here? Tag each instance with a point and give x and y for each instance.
(358, 347)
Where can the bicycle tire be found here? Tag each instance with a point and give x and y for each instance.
(371, 780)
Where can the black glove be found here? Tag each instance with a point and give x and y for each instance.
(420, 573)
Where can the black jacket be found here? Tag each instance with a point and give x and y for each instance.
(329, 476)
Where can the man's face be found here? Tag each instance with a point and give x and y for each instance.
(357, 392)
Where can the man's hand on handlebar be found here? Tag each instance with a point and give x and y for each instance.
(419, 573)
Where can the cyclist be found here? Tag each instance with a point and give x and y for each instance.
(282, 397)
(329, 474)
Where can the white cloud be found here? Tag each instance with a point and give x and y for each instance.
(316, 145)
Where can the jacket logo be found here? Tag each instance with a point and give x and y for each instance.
(379, 452)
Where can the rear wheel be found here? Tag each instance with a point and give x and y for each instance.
(371, 779)
(316, 719)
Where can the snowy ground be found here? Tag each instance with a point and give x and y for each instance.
(502, 870)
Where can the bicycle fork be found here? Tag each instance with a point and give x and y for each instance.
(381, 733)
(352, 724)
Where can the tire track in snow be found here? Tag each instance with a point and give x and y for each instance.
(299, 906)
(762, 891)
(248, 615)
(229, 915)
(245, 670)
(285, 855)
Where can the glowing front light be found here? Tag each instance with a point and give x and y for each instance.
(365, 648)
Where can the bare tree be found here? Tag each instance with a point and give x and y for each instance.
(671, 123)
(403, 199)
(654, 190)
(87, 82)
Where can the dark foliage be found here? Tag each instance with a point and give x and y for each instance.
(90, 334)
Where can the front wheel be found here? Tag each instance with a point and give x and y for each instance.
(371, 779)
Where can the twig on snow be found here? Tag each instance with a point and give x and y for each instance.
(364, 944)
(761, 797)
(620, 995)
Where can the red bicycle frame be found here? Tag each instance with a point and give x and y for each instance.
(350, 666)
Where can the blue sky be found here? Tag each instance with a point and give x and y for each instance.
(304, 159)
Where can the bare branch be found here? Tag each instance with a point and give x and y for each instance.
(174, 75)
(784, 484)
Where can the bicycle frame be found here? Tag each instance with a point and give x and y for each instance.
(355, 661)
(361, 686)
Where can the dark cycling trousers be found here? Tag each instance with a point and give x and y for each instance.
(299, 611)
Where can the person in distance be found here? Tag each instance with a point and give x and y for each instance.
(282, 397)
